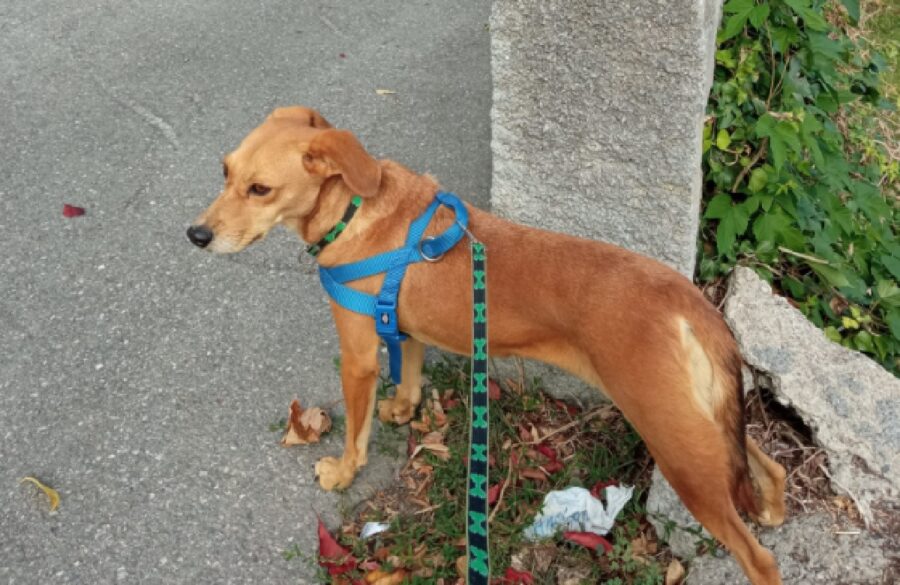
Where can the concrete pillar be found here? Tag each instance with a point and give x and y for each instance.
(597, 118)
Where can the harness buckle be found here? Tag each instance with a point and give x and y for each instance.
(386, 317)
(424, 255)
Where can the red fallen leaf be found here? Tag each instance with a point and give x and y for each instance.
(493, 390)
(411, 444)
(524, 433)
(342, 55)
(513, 576)
(332, 556)
(597, 490)
(494, 492)
(72, 210)
(588, 540)
(569, 408)
(547, 451)
(553, 466)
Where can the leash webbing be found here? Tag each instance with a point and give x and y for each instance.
(477, 553)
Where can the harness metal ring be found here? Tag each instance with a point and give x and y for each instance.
(425, 256)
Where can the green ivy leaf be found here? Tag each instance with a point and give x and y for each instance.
(852, 7)
(832, 334)
(758, 180)
(811, 18)
(740, 12)
(723, 139)
(888, 292)
(893, 321)
(769, 225)
(892, 264)
(833, 276)
(759, 14)
(726, 233)
(718, 207)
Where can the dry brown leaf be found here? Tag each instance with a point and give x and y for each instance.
(674, 573)
(433, 438)
(573, 574)
(641, 547)
(535, 558)
(305, 426)
(423, 425)
(532, 473)
(51, 493)
(382, 578)
(442, 452)
(462, 566)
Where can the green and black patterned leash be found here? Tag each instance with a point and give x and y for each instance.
(477, 502)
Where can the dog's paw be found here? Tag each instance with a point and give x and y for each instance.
(334, 474)
(395, 410)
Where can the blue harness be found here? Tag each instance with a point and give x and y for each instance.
(383, 306)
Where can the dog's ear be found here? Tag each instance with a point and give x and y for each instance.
(308, 116)
(338, 152)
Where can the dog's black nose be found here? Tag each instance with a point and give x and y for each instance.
(200, 235)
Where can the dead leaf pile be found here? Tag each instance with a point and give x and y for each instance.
(537, 445)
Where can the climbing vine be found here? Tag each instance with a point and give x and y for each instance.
(799, 184)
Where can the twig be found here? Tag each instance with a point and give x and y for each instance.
(592, 414)
(759, 154)
(804, 256)
(506, 482)
(428, 509)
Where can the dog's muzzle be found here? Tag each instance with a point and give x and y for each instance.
(200, 235)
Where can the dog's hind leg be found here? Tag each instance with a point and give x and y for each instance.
(400, 408)
(686, 405)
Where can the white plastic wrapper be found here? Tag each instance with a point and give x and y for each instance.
(370, 529)
(576, 509)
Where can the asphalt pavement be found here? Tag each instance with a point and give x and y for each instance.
(140, 376)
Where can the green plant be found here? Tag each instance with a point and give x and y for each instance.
(798, 185)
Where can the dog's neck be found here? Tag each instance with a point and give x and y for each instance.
(333, 199)
(402, 193)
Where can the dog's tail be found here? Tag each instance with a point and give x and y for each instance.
(742, 492)
(718, 385)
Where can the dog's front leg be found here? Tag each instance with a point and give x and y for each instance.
(408, 395)
(359, 374)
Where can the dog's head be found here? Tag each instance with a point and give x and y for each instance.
(276, 176)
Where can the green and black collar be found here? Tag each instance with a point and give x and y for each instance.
(333, 233)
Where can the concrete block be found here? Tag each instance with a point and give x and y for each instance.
(597, 118)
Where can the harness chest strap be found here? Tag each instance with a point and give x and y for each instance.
(383, 306)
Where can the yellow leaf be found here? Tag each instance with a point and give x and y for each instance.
(51, 493)
(385, 91)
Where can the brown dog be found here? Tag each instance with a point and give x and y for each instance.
(626, 324)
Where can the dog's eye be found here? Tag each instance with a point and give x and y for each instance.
(259, 190)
